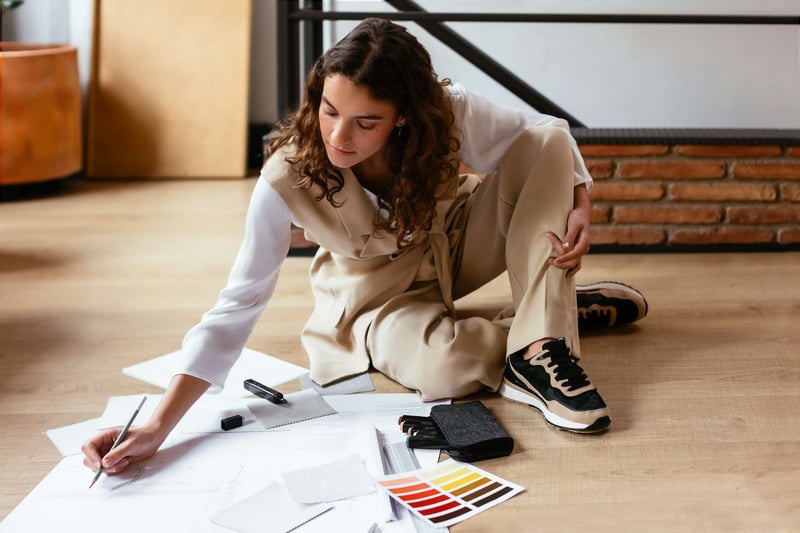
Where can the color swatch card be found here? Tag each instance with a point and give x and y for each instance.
(448, 492)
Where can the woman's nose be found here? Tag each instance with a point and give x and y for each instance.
(341, 134)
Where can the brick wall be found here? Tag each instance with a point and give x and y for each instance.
(694, 195)
(688, 190)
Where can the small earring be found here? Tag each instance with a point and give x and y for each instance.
(399, 130)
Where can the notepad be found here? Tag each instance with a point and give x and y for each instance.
(251, 364)
(299, 406)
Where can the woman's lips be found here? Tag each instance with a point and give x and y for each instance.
(340, 151)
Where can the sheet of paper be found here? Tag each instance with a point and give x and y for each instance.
(329, 482)
(68, 439)
(62, 500)
(120, 408)
(300, 406)
(207, 413)
(359, 383)
(203, 417)
(279, 512)
(251, 364)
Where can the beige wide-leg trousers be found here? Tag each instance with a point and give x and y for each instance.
(415, 341)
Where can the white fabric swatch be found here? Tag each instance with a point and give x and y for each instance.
(359, 383)
(342, 479)
(273, 502)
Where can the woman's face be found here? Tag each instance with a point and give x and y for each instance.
(355, 127)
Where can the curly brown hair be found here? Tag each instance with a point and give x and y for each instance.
(391, 63)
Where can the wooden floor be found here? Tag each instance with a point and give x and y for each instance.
(704, 393)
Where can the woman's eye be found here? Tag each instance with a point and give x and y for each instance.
(328, 112)
(366, 126)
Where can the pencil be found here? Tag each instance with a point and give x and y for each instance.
(118, 441)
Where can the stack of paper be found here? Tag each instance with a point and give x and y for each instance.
(314, 469)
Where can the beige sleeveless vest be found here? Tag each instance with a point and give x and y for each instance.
(357, 270)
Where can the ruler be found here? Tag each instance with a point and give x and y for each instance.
(399, 458)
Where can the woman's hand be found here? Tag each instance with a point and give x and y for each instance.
(570, 251)
(139, 444)
(143, 442)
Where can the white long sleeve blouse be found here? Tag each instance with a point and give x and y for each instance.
(212, 346)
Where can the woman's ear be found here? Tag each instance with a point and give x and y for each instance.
(401, 121)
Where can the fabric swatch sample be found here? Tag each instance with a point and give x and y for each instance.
(358, 383)
(269, 510)
(339, 480)
(299, 406)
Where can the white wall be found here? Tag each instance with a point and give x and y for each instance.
(55, 21)
(38, 21)
(617, 75)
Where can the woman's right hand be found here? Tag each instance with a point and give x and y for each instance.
(142, 442)
(139, 444)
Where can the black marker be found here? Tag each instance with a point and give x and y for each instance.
(268, 393)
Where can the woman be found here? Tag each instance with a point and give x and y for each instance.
(368, 166)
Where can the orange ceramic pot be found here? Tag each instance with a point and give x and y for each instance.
(40, 112)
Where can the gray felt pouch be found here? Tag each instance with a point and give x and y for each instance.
(469, 432)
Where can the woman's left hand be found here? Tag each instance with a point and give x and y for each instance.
(570, 251)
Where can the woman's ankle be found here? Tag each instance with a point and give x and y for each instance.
(536, 347)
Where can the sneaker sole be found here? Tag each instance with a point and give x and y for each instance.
(610, 286)
(512, 393)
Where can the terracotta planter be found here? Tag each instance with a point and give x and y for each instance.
(40, 112)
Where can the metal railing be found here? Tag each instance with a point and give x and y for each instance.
(300, 41)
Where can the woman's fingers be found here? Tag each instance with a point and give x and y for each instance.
(95, 448)
(568, 255)
(558, 245)
(138, 445)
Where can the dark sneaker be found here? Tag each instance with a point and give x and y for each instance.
(607, 304)
(555, 384)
